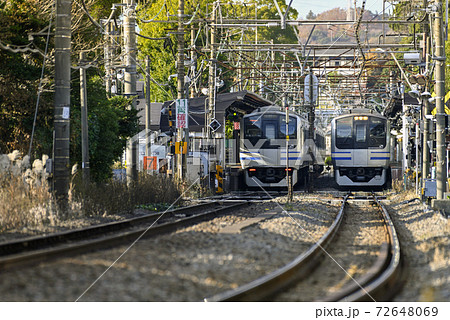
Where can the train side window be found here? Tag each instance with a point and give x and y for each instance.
(377, 133)
(344, 139)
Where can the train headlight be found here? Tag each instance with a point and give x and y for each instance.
(361, 117)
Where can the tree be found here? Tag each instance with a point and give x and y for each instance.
(111, 122)
(21, 62)
(311, 15)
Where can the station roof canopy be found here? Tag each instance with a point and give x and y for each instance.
(241, 102)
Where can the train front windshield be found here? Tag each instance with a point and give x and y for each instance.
(269, 126)
(361, 132)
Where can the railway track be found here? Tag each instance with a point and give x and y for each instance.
(375, 284)
(42, 248)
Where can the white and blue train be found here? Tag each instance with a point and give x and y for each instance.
(263, 152)
(360, 150)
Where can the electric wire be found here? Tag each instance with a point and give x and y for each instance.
(40, 87)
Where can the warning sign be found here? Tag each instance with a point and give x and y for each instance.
(150, 163)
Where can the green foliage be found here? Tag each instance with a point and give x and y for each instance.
(163, 52)
(110, 123)
(19, 77)
(267, 10)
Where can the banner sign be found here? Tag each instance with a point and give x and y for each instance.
(182, 113)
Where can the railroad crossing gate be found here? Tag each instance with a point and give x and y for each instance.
(181, 147)
(219, 178)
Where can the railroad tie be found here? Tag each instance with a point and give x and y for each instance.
(236, 228)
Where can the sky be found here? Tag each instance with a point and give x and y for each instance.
(318, 6)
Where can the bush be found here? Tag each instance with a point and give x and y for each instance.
(23, 205)
(117, 197)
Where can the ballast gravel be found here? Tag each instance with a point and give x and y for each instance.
(424, 237)
(201, 260)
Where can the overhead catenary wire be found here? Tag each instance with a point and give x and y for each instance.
(40, 87)
(114, 40)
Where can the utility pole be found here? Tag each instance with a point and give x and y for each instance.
(61, 143)
(108, 58)
(192, 92)
(148, 109)
(426, 112)
(129, 25)
(84, 122)
(212, 74)
(181, 159)
(441, 159)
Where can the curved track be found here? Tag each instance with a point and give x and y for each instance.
(374, 285)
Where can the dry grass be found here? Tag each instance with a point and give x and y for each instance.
(23, 205)
(116, 197)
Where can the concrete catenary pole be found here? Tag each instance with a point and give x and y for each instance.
(192, 92)
(108, 58)
(148, 110)
(439, 57)
(426, 122)
(61, 145)
(212, 74)
(84, 122)
(181, 159)
(129, 25)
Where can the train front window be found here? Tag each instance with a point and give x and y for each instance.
(252, 127)
(360, 132)
(270, 130)
(292, 128)
(377, 133)
(344, 139)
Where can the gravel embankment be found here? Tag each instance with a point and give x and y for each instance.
(206, 259)
(190, 265)
(425, 240)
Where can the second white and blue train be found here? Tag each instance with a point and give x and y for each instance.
(269, 148)
(361, 150)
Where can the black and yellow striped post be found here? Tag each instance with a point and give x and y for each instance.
(219, 178)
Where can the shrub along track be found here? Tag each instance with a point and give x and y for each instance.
(42, 248)
(360, 283)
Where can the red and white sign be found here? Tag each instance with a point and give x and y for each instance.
(237, 126)
(182, 113)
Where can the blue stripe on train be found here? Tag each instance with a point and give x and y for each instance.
(250, 158)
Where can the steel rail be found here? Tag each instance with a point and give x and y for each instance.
(67, 248)
(38, 242)
(381, 282)
(267, 286)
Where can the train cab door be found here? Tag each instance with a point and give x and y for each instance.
(269, 150)
(360, 152)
